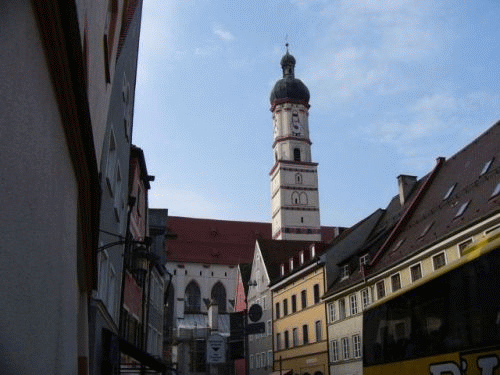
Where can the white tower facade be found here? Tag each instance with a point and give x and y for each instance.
(294, 176)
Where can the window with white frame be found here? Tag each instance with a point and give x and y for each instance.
(416, 272)
(356, 346)
(396, 282)
(269, 358)
(363, 260)
(342, 311)
(278, 341)
(380, 289)
(269, 327)
(331, 312)
(345, 272)
(345, 348)
(334, 351)
(251, 361)
(463, 245)
(438, 260)
(365, 297)
(257, 360)
(353, 299)
(263, 359)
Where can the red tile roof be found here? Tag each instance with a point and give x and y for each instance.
(218, 241)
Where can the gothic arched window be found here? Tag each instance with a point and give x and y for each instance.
(219, 296)
(192, 298)
(295, 198)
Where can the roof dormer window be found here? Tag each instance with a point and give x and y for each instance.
(462, 209)
(450, 190)
(426, 230)
(398, 245)
(496, 191)
(302, 257)
(364, 259)
(313, 251)
(282, 269)
(486, 167)
(291, 264)
(345, 272)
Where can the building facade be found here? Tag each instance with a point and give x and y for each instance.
(299, 326)
(203, 257)
(455, 206)
(260, 354)
(116, 209)
(52, 136)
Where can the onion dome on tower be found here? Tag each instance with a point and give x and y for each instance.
(289, 88)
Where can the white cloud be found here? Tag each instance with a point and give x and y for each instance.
(222, 33)
(426, 117)
(368, 47)
(426, 127)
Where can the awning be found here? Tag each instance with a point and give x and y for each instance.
(200, 321)
(282, 372)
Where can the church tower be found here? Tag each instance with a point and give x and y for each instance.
(294, 177)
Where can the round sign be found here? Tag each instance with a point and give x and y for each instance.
(255, 313)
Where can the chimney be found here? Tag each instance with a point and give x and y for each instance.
(213, 316)
(406, 184)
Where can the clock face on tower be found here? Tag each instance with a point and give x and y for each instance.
(297, 129)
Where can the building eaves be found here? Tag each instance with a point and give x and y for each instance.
(277, 252)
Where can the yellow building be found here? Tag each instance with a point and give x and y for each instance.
(299, 324)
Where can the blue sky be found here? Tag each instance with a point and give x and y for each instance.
(394, 84)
